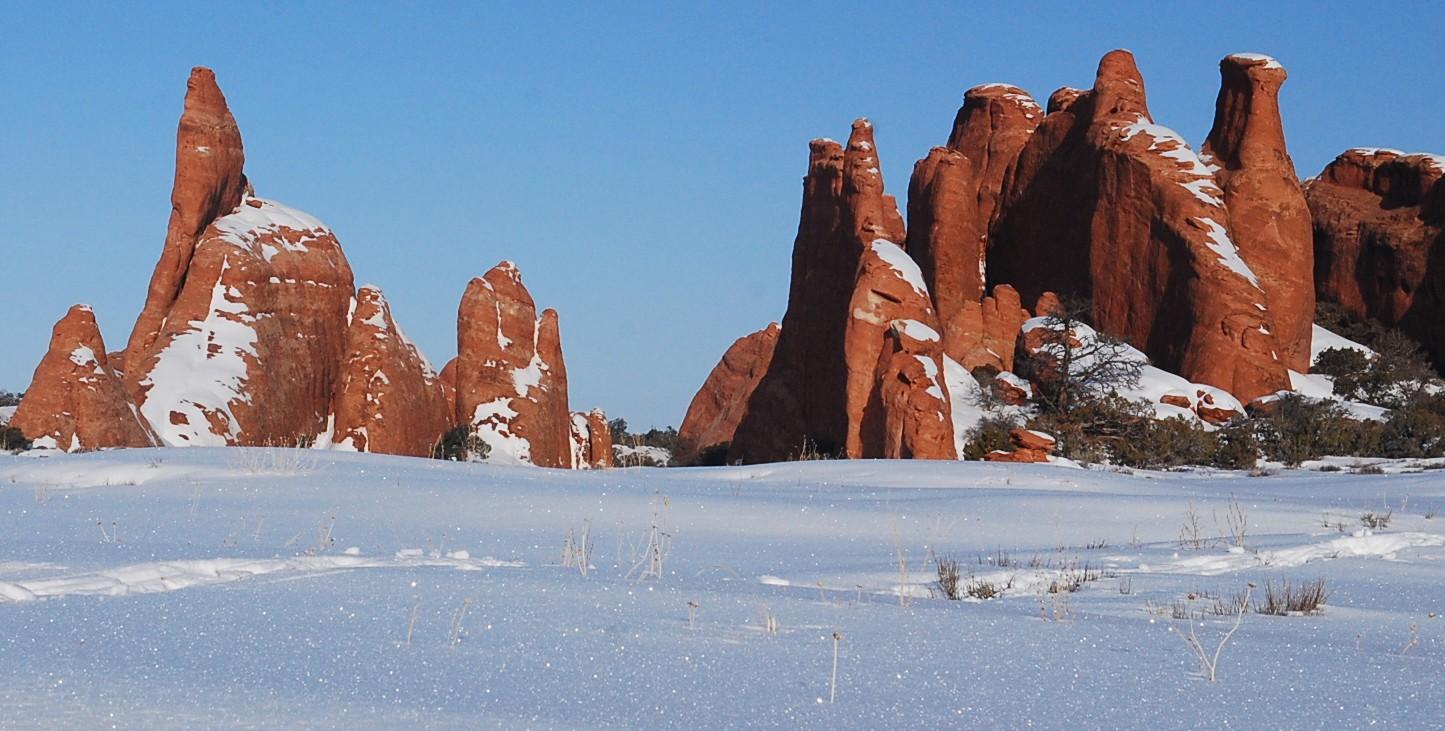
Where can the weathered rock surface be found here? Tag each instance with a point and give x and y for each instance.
(893, 353)
(209, 183)
(388, 400)
(1104, 203)
(1267, 209)
(251, 348)
(984, 334)
(591, 441)
(955, 191)
(802, 397)
(75, 402)
(720, 404)
(908, 415)
(1379, 237)
(511, 384)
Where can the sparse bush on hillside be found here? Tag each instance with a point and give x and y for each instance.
(1334, 318)
(10, 399)
(1069, 371)
(1396, 375)
(1415, 429)
(1235, 446)
(1299, 429)
(1164, 443)
(1095, 429)
(665, 439)
(461, 444)
(989, 435)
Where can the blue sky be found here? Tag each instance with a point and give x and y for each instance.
(640, 162)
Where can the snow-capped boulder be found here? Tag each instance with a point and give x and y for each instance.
(1029, 446)
(1102, 201)
(75, 402)
(388, 399)
(1269, 218)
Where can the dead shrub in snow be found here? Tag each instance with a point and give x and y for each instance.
(948, 577)
(1284, 598)
(1373, 520)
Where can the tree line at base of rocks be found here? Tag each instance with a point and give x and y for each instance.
(1081, 408)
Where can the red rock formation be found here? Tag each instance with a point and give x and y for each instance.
(908, 413)
(1104, 203)
(955, 191)
(251, 348)
(511, 384)
(720, 404)
(891, 328)
(801, 399)
(388, 400)
(1379, 237)
(984, 334)
(208, 184)
(75, 402)
(1028, 447)
(1271, 222)
(591, 441)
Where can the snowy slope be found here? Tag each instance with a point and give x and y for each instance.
(253, 587)
(5, 413)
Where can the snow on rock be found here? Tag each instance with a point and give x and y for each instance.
(1323, 340)
(511, 383)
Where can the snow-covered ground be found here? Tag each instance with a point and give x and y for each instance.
(5, 413)
(278, 588)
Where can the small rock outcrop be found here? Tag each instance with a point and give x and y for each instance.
(1379, 237)
(511, 384)
(1104, 203)
(1028, 447)
(591, 441)
(1267, 209)
(984, 334)
(75, 402)
(388, 400)
(720, 404)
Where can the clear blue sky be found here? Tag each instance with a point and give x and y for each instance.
(640, 162)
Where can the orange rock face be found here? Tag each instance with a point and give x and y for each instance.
(955, 192)
(893, 353)
(1028, 447)
(1379, 236)
(720, 404)
(908, 414)
(985, 334)
(591, 441)
(75, 401)
(511, 384)
(209, 183)
(251, 349)
(1104, 203)
(1271, 221)
(388, 400)
(802, 397)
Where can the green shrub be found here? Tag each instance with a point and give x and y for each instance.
(12, 439)
(1163, 443)
(1416, 429)
(1236, 447)
(990, 435)
(1298, 429)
